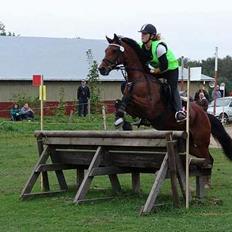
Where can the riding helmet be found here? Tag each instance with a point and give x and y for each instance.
(148, 28)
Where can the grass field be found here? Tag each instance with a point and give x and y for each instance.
(18, 154)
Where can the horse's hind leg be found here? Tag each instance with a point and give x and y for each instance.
(202, 151)
(127, 126)
(208, 164)
(208, 178)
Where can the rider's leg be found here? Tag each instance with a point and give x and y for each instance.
(172, 79)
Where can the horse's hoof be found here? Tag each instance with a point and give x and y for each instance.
(207, 186)
(207, 165)
(118, 122)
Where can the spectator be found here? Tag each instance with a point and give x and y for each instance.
(15, 113)
(83, 94)
(26, 112)
(202, 89)
(216, 93)
(202, 101)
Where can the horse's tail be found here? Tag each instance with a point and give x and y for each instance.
(219, 133)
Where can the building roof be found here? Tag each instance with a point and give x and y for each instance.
(57, 59)
(195, 75)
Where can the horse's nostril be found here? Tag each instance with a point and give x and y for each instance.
(102, 70)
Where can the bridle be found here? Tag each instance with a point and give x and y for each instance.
(112, 64)
(115, 63)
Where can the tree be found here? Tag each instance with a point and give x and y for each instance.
(93, 82)
(224, 69)
(3, 31)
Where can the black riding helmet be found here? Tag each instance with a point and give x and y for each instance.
(148, 28)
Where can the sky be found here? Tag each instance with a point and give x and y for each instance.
(190, 28)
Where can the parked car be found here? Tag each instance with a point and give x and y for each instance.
(223, 104)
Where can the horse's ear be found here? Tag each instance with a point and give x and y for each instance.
(109, 40)
(116, 39)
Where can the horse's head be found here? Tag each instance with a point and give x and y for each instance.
(113, 55)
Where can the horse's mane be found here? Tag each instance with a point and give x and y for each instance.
(141, 54)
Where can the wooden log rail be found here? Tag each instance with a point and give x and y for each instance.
(94, 153)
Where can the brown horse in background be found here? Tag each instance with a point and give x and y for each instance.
(148, 102)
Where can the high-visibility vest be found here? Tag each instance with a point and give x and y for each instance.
(172, 61)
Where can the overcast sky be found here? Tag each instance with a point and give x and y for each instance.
(191, 28)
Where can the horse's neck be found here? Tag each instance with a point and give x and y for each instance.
(134, 66)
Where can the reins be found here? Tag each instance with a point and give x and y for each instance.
(114, 65)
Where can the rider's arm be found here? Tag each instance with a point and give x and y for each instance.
(162, 57)
(163, 61)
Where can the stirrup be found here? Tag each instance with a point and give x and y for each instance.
(118, 122)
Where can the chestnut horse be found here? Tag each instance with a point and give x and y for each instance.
(148, 102)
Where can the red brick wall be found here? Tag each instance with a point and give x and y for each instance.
(50, 107)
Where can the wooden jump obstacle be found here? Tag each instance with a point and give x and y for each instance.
(111, 153)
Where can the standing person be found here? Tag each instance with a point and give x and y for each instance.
(83, 94)
(202, 101)
(216, 93)
(201, 89)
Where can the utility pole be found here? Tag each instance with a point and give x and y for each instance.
(215, 80)
(182, 74)
(89, 57)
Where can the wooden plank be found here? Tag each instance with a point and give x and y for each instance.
(112, 134)
(27, 195)
(54, 167)
(100, 171)
(34, 175)
(44, 175)
(118, 158)
(88, 179)
(114, 142)
(116, 187)
(87, 149)
(94, 199)
(181, 177)
(135, 177)
(80, 176)
(173, 173)
(200, 186)
(156, 187)
(59, 173)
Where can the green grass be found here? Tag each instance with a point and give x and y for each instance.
(18, 154)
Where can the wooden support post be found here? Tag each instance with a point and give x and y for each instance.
(156, 187)
(135, 182)
(182, 177)
(59, 173)
(44, 175)
(200, 186)
(80, 176)
(34, 175)
(116, 187)
(172, 171)
(88, 179)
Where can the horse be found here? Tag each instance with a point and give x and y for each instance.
(147, 100)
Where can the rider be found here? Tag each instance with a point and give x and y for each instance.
(162, 64)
